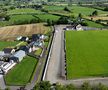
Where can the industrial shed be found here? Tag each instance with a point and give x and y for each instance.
(18, 56)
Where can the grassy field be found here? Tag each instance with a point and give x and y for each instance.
(85, 11)
(22, 72)
(93, 24)
(53, 8)
(20, 19)
(86, 54)
(4, 44)
(24, 11)
(44, 17)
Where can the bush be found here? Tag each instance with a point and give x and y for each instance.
(43, 85)
(98, 21)
(62, 20)
(95, 13)
(84, 24)
(67, 9)
(106, 9)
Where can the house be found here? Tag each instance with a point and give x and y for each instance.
(1, 71)
(9, 50)
(24, 39)
(26, 49)
(2, 55)
(6, 66)
(35, 37)
(79, 27)
(18, 56)
(74, 27)
(21, 38)
(42, 37)
(38, 43)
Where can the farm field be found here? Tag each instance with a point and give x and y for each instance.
(54, 8)
(85, 11)
(4, 44)
(45, 17)
(93, 24)
(86, 54)
(21, 74)
(24, 11)
(11, 32)
(21, 19)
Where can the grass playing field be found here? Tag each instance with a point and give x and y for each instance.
(86, 54)
(22, 72)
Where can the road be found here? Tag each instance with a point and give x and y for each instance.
(2, 83)
(56, 65)
(54, 68)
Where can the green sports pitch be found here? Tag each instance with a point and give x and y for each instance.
(86, 54)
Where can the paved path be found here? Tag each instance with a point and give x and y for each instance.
(2, 83)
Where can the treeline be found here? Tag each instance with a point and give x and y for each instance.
(45, 85)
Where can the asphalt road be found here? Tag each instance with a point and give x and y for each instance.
(54, 68)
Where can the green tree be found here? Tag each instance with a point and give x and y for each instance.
(67, 9)
(43, 85)
(106, 9)
(62, 20)
(7, 88)
(70, 87)
(95, 13)
(101, 87)
(49, 22)
(58, 86)
(80, 15)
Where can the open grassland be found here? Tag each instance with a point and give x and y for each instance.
(57, 10)
(94, 24)
(75, 10)
(4, 44)
(45, 17)
(24, 11)
(11, 32)
(85, 11)
(21, 74)
(53, 8)
(86, 54)
(21, 19)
